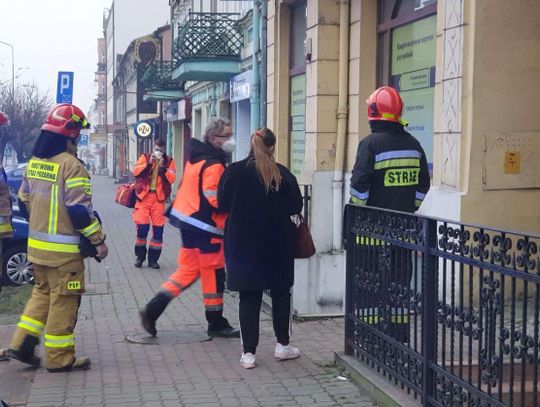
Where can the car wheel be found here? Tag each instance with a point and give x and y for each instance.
(18, 270)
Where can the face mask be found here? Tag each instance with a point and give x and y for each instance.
(229, 146)
(158, 154)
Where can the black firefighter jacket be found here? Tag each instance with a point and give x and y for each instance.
(391, 169)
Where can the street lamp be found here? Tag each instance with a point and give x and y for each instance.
(12, 67)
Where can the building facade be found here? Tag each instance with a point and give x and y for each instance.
(461, 66)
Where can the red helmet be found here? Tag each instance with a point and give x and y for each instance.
(385, 104)
(65, 119)
(4, 119)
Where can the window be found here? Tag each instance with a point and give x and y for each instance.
(406, 61)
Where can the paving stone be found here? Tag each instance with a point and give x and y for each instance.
(173, 374)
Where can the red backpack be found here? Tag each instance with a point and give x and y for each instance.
(125, 195)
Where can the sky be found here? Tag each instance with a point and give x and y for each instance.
(50, 36)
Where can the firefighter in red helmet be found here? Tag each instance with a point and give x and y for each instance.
(390, 172)
(56, 195)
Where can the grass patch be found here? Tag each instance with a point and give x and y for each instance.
(12, 302)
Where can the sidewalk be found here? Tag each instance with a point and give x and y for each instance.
(194, 374)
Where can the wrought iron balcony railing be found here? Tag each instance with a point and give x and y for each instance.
(157, 76)
(208, 35)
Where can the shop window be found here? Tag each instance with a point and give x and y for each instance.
(406, 61)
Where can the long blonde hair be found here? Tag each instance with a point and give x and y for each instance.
(263, 143)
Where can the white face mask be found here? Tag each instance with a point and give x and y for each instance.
(229, 146)
(158, 154)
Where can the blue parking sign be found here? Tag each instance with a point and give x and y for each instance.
(83, 139)
(64, 88)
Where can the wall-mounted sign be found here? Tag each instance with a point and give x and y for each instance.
(143, 129)
(298, 124)
(241, 86)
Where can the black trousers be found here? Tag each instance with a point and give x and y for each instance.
(250, 309)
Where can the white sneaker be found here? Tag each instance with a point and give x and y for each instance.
(247, 361)
(286, 352)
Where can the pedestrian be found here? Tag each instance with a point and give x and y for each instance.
(260, 197)
(390, 172)
(154, 174)
(56, 195)
(6, 230)
(195, 212)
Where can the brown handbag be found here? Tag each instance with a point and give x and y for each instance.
(305, 247)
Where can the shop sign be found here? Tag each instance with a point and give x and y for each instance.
(241, 86)
(143, 129)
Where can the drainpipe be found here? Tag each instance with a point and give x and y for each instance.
(264, 59)
(255, 98)
(342, 115)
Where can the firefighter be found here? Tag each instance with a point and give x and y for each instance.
(56, 195)
(154, 173)
(390, 172)
(195, 212)
(5, 211)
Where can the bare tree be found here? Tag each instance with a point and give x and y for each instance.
(26, 110)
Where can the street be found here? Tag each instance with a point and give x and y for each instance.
(191, 374)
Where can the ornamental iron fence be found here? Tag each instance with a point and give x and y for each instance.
(208, 35)
(157, 76)
(445, 310)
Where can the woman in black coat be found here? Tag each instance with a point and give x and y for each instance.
(260, 197)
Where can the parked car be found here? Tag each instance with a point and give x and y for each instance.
(14, 179)
(16, 268)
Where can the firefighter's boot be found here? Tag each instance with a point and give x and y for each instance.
(26, 352)
(153, 256)
(153, 310)
(218, 326)
(140, 253)
(77, 364)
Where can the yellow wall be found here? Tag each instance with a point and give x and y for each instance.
(505, 98)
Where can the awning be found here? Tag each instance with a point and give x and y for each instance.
(163, 95)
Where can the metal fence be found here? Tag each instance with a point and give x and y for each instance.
(208, 35)
(447, 311)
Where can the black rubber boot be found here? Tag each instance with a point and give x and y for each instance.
(153, 310)
(218, 326)
(26, 353)
(140, 252)
(153, 256)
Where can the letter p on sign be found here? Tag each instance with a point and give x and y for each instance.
(64, 88)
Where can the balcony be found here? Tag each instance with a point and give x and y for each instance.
(207, 47)
(158, 84)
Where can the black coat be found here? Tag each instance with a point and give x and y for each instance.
(259, 234)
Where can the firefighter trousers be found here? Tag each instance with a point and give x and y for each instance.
(52, 311)
(385, 273)
(148, 212)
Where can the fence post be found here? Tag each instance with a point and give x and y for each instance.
(429, 309)
(349, 265)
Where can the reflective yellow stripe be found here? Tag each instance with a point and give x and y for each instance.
(397, 162)
(89, 230)
(417, 203)
(80, 182)
(59, 341)
(358, 201)
(53, 210)
(31, 325)
(53, 247)
(6, 228)
(369, 241)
